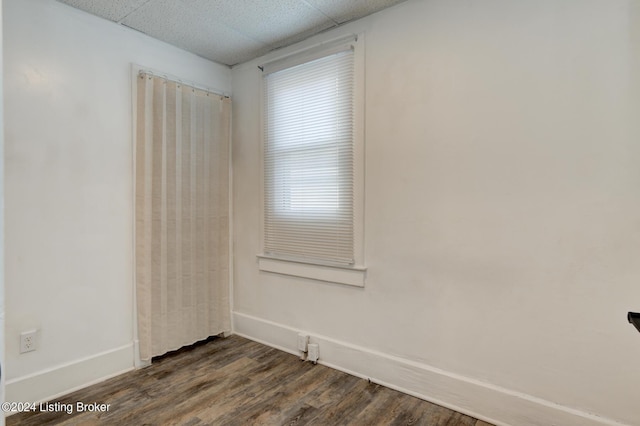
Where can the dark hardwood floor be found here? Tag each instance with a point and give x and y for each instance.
(235, 381)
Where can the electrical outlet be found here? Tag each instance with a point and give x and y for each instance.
(28, 341)
(303, 340)
(314, 352)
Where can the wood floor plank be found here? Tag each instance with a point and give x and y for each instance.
(286, 405)
(345, 409)
(235, 381)
(381, 404)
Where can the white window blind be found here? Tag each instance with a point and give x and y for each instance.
(309, 160)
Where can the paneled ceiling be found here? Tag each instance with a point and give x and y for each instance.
(230, 31)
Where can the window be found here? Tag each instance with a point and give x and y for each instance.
(312, 187)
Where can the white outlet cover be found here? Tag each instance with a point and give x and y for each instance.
(314, 352)
(303, 340)
(28, 341)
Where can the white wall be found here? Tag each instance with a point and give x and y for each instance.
(2, 308)
(501, 233)
(69, 186)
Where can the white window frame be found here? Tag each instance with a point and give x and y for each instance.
(355, 273)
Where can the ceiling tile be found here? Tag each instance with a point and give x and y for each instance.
(268, 22)
(172, 22)
(113, 10)
(342, 11)
(230, 31)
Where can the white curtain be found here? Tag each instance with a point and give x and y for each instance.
(182, 215)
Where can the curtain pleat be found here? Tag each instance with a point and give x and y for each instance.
(182, 215)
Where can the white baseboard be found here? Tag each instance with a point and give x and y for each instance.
(478, 399)
(58, 381)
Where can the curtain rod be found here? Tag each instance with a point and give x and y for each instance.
(184, 83)
(319, 47)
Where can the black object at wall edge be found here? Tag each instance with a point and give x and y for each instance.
(634, 318)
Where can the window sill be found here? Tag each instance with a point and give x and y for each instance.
(354, 276)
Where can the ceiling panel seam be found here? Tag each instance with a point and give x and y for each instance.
(198, 11)
(321, 11)
(119, 21)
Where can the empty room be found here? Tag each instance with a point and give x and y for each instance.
(320, 212)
